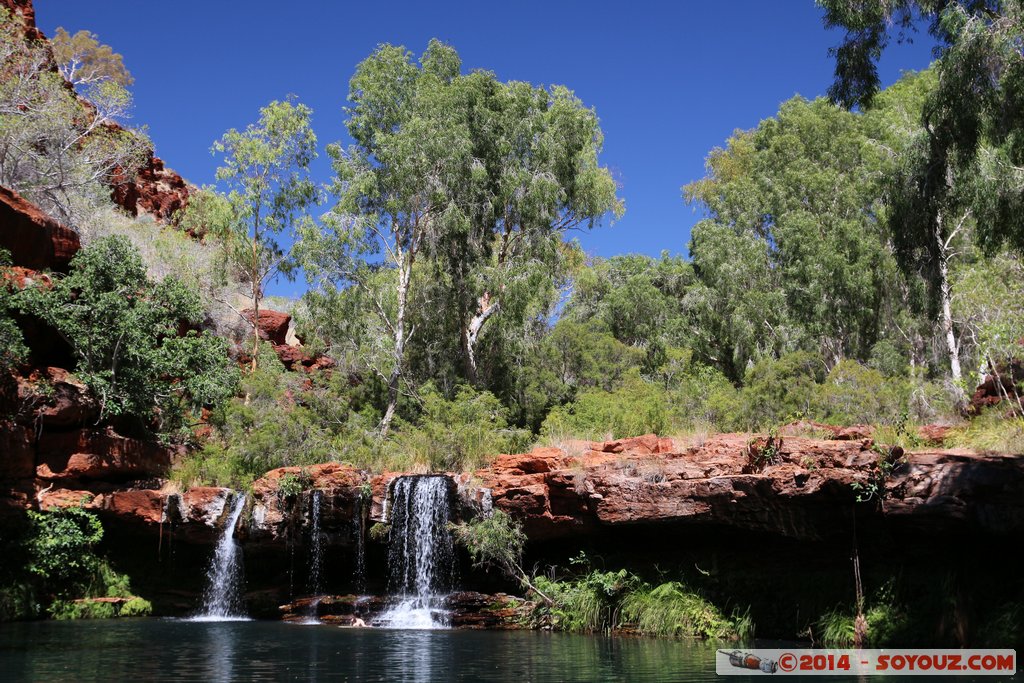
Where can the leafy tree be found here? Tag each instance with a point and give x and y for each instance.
(61, 545)
(638, 299)
(124, 331)
(468, 179)
(966, 164)
(792, 254)
(394, 189)
(265, 169)
(83, 60)
(538, 148)
(58, 153)
(989, 307)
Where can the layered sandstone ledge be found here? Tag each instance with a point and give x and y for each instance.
(802, 488)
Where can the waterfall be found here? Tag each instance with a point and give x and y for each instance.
(359, 532)
(421, 554)
(221, 600)
(316, 553)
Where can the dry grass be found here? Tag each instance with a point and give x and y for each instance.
(170, 252)
(991, 431)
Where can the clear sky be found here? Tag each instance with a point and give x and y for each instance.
(669, 80)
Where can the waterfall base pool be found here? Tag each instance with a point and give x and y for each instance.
(183, 651)
(166, 649)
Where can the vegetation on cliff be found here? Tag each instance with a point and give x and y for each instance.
(853, 265)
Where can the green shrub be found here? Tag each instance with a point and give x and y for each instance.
(136, 607)
(929, 401)
(672, 609)
(705, 399)
(887, 621)
(64, 610)
(18, 602)
(90, 608)
(604, 600)
(12, 345)
(60, 546)
(776, 390)
(855, 394)
(638, 407)
(495, 540)
(459, 433)
(835, 629)
(123, 329)
(60, 556)
(588, 603)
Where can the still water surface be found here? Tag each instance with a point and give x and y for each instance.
(149, 650)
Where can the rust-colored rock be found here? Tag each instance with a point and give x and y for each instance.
(101, 454)
(34, 239)
(23, 10)
(805, 489)
(278, 514)
(273, 325)
(466, 610)
(934, 434)
(639, 445)
(51, 498)
(17, 451)
(57, 399)
(155, 191)
(812, 429)
(138, 506)
(16, 278)
(997, 386)
(203, 505)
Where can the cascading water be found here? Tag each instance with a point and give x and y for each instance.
(421, 554)
(359, 533)
(316, 553)
(221, 600)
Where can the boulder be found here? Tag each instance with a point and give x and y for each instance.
(273, 325)
(997, 386)
(934, 434)
(154, 191)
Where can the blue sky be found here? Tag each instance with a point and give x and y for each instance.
(669, 80)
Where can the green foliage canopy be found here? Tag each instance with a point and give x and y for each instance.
(124, 331)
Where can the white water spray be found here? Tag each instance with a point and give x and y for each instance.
(421, 554)
(221, 599)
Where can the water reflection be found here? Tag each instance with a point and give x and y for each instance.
(220, 652)
(155, 649)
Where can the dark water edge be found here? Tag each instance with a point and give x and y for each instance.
(149, 650)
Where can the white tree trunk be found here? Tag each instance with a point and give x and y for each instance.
(404, 272)
(486, 307)
(946, 297)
